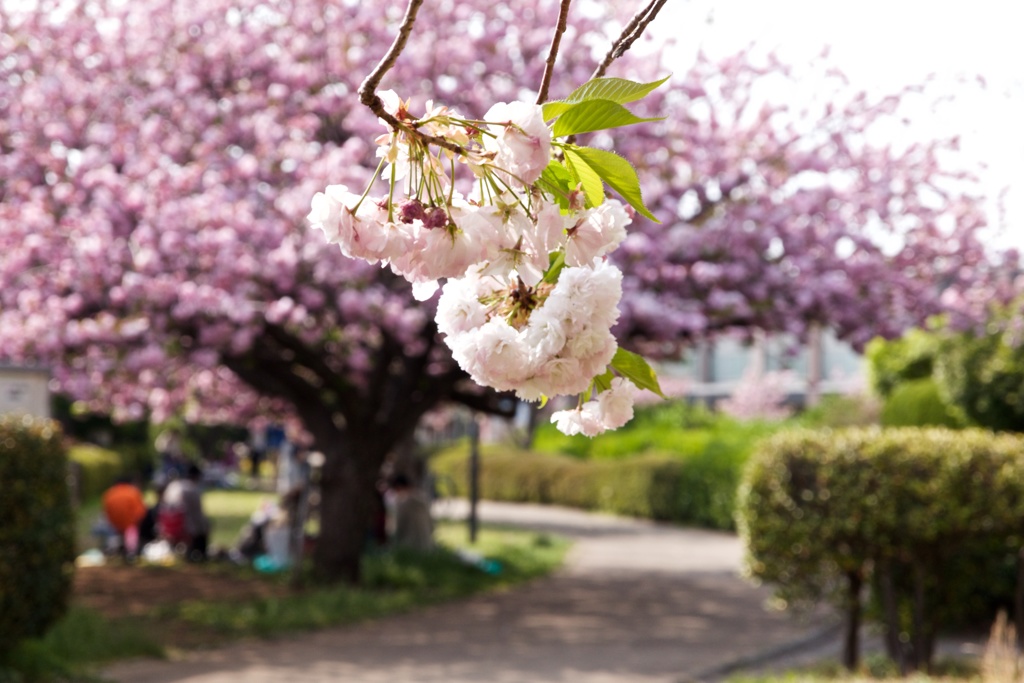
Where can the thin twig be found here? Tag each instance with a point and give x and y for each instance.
(368, 90)
(549, 65)
(633, 30)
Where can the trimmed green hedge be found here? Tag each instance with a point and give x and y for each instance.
(917, 403)
(699, 489)
(98, 468)
(826, 514)
(36, 531)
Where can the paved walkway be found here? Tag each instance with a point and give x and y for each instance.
(636, 602)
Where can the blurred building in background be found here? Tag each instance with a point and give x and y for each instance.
(24, 391)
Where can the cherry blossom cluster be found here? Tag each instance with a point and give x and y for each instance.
(529, 299)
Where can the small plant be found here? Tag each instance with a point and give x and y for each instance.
(1002, 661)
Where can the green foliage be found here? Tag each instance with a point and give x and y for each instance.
(98, 468)
(618, 90)
(595, 105)
(892, 362)
(637, 370)
(36, 532)
(617, 172)
(917, 403)
(669, 427)
(835, 411)
(583, 175)
(392, 582)
(697, 486)
(820, 510)
(983, 376)
(79, 639)
(594, 115)
(673, 462)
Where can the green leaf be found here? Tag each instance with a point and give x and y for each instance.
(592, 115)
(557, 264)
(593, 187)
(603, 382)
(558, 181)
(618, 90)
(636, 370)
(617, 172)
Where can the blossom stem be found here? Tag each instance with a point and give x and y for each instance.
(373, 179)
(391, 196)
(549, 65)
(494, 176)
(451, 185)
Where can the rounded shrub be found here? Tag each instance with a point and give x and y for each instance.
(828, 514)
(918, 403)
(37, 531)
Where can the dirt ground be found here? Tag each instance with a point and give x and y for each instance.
(119, 590)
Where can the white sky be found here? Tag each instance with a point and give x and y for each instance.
(882, 45)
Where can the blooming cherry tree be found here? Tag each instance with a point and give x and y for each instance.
(157, 162)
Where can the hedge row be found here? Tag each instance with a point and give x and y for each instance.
(36, 529)
(829, 515)
(97, 468)
(698, 490)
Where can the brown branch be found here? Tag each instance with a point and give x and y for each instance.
(368, 89)
(633, 30)
(549, 65)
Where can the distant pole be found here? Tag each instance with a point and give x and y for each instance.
(474, 476)
(814, 365)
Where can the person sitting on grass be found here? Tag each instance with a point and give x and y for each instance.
(411, 525)
(183, 497)
(124, 508)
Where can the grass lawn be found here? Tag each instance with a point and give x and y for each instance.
(875, 668)
(228, 602)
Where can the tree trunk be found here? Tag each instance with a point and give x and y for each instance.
(893, 644)
(1018, 600)
(851, 641)
(919, 637)
(351, 468)
(533, 420)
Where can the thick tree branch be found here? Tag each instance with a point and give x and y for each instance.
(383, 356)
(489, 402)
(633, 30)
(273, 378)
(549, 65)
(308, 358)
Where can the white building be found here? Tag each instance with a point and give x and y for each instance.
(712, 370)
(24, 391)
